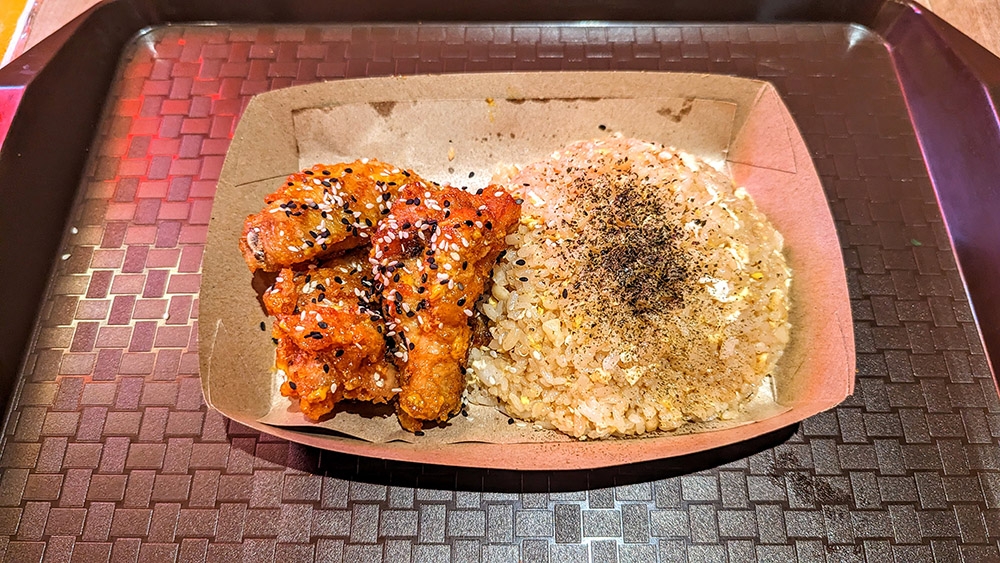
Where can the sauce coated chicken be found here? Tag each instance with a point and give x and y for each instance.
(330, 336)
(393, 317)
(322, 211)
(432, 256)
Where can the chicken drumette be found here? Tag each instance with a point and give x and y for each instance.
(330, 335)
(432, 257)
(320, 212)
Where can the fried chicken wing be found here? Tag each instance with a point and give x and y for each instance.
(320, 212)
(432, 256)
(330, 336)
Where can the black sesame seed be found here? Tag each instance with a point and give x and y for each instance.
(510, 421)
(471, 174)
(519, 201)
(291, 384)
(338, 353)
(444, 281)
(322, 324)
(348, 170)
(326, 368)
(418, 433)
(520, 262)
(565, 293)
(263, 326)
(326, 172)
(460, 302)
(322, 296)
(465, 265)
(522, 278)
(308, 172)
(421, 289)
(489, 226)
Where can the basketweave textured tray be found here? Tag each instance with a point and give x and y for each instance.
(110, 454)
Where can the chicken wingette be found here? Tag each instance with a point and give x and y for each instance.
(432, 257)
(320, 212)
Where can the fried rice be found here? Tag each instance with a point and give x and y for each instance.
(642, 291)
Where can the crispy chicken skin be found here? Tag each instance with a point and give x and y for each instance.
(321, 212)
(432, 256)
(330, 336)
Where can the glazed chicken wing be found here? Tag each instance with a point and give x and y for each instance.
(432, 256)
(320, 212)
(330, 336)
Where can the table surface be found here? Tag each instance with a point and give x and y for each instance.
(111, 454)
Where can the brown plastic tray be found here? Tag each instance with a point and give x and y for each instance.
(114, 141)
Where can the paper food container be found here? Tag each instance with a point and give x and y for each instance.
(445, 127)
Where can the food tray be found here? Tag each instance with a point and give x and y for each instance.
(481, 122)
(108, 451)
